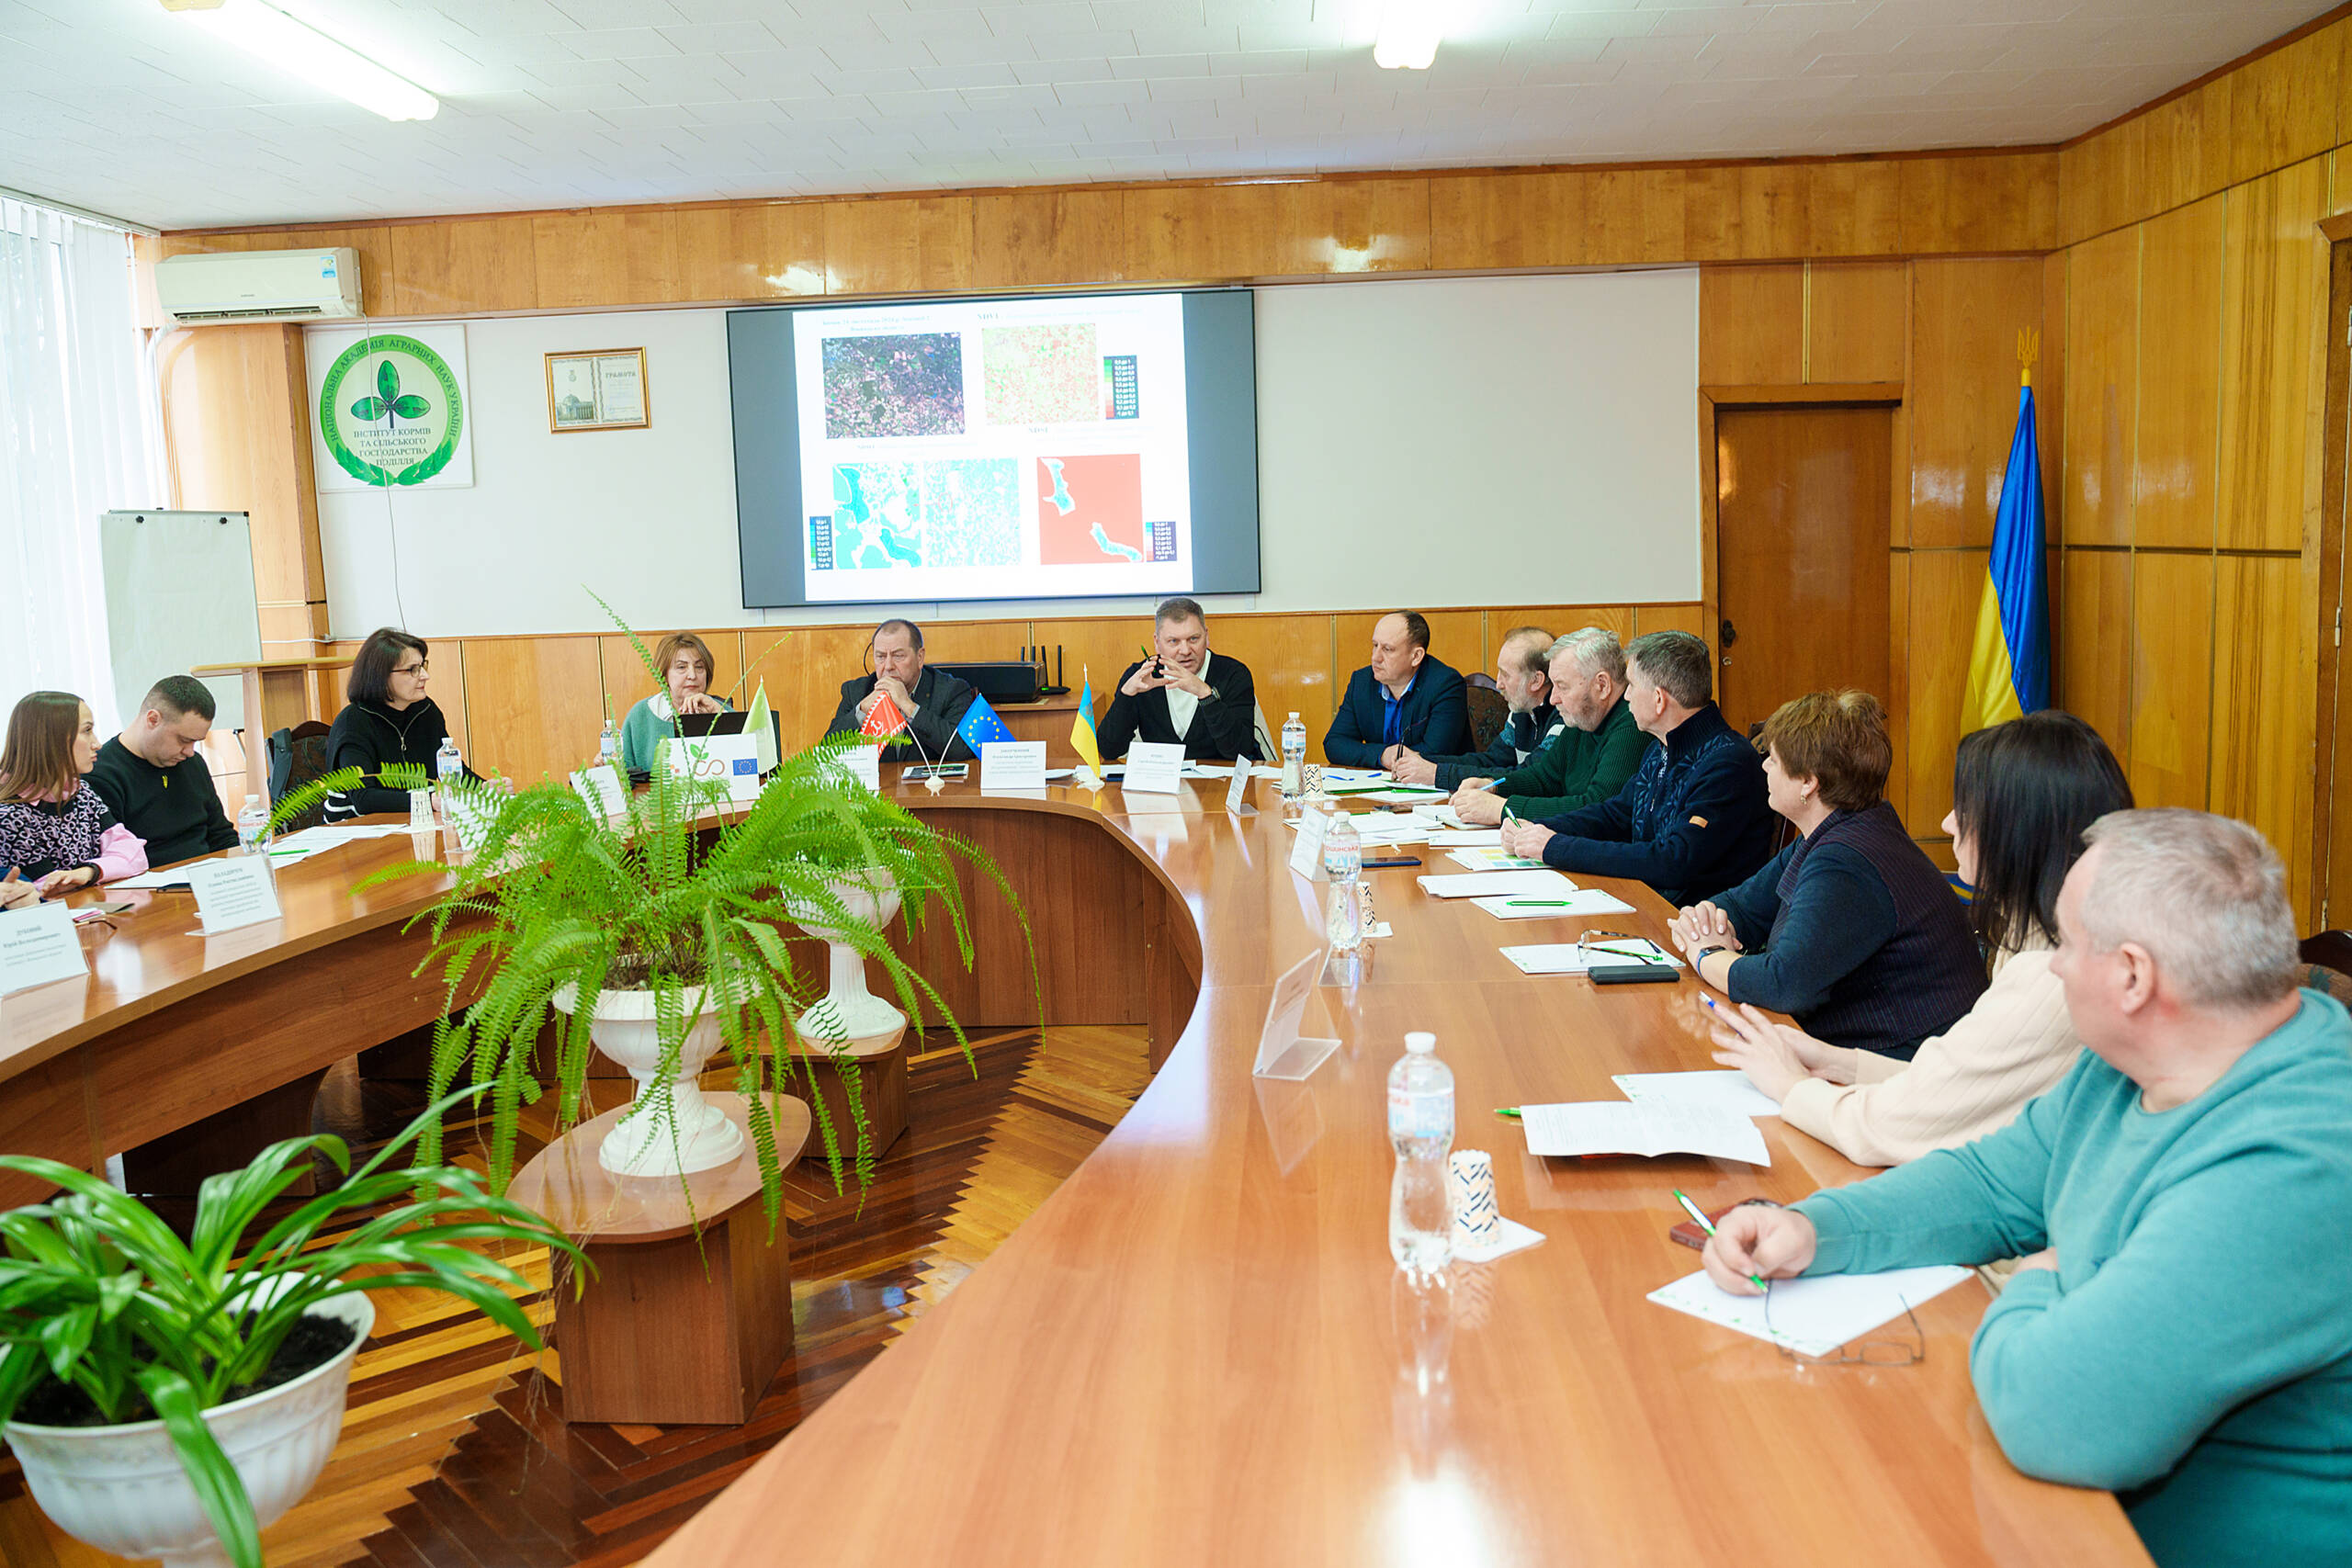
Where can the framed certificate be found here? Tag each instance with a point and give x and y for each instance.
(599, 389)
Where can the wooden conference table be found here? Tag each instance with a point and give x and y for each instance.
(1197, 1350)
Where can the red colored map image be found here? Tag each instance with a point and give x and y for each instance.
(1089, 510)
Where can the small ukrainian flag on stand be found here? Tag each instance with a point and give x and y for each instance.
(2008, 669)
(1089, 774)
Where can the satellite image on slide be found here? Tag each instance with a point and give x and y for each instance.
(956, 511)
(1041, 375)
(904, 385)
(1090, 511)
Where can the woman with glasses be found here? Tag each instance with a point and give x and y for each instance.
(2022, 794)
(388, 722)
(1850, 928)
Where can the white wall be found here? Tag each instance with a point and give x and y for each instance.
(1429, 441)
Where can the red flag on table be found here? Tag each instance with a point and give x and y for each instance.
(883, 719)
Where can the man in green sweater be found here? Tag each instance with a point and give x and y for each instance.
(1588, 758)
(2179, 1330)
(153, 779)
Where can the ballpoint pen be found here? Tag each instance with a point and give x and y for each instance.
(1650, 957)
(1709, 1226)
(1535, 902)
(1509, 1110)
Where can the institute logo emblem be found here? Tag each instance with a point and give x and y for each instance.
(390, 410)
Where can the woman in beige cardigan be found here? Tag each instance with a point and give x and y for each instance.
(2022, 794)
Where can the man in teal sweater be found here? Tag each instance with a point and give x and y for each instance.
(2179, 1330)
(1591, 754)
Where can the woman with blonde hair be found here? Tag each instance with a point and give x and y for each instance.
(56, 833)
(689, 670)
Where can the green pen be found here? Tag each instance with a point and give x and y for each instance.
(1622, 953)
(1509, 1110)
(1536, 904)
(1708, 1225)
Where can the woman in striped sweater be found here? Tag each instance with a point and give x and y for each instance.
(2022, 794)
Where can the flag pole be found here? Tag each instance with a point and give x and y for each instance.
(2028, 354)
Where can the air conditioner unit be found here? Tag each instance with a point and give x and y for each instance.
(260, 286)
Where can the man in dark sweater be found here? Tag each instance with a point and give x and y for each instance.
(155, 783)
(1596, 751)
(931, 701)
(1694, 819)
(1183, 695)
(1523, 675)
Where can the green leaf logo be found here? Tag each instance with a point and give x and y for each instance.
(387, 404)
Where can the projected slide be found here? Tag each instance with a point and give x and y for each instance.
(994, 449)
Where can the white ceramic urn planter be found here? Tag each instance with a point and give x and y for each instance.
(122, 1489)
(864, 1016)
(627, 1027)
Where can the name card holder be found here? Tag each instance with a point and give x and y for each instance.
(1282, 1053)
(232, 893)
(1011, 765)
(1154, 767)
(1307, 850)
(38, 947)
(1236, 794)
(601, 788)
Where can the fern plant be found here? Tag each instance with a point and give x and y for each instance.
(681, 895)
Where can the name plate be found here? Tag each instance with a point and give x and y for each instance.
(38, 946)
(1011, 764)
(600, 787)
(864, 764)
(1307, 850)
(232, 893)
(1283, 1052)
(1154, 767)
(1236, 794)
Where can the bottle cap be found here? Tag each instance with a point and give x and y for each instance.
(252, 800)
(1419, 1042)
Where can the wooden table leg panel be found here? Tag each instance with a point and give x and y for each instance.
(45, 1112)
(678, 1331)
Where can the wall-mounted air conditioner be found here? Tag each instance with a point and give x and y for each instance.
(260, 286)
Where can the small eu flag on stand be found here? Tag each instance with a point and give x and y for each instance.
(981, 724)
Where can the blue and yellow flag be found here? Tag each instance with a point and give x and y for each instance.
(981, 724)
(1081, 730)
(2008, 671)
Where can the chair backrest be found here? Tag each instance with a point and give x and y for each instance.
(2330, 955)
(1489, 711)
(306, 759)
(281, 761)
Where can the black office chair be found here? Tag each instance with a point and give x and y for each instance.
(297, 756)
(1488, 711)
(2330, 955)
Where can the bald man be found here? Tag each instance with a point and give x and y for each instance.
(1404, 701)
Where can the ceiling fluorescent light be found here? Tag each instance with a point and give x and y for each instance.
(1409, 35)
(271, 35)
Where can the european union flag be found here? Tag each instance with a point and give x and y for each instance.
(981, 724)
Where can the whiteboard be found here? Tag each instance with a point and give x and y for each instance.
(179, 593)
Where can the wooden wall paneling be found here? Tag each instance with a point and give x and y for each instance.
(1751, 326)
(1898, 679)
(1180, 233)
(2172, 678)
(2090, 187)
(767, 250)
(2050, 398)
(1898, 505)
(1290, 659)
(971, 641)
(1043, 239)
(606, 255)
(1966, 315)
(1100, 647)
(1854, 207)
(1481, 222)
(1745, 211)
(2283, 105)
(446, 687)
(453, 265)
(804, 674)
(533, 705)
(1680, 616)
(2181, 158)
(1946, 587)
(2102, 347)
(897, 244)
(1352, 226)
(1857, 319)
(2273, 358)
(2093, 603)
(1561, 619)
(1991, 202)
(2179, 376)
(1634, 216)
(2263, 708)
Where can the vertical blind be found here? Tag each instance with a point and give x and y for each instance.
(79, 434)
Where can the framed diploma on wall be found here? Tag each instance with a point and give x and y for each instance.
(598, 388)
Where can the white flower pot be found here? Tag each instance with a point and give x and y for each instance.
(122, 1489)
(863, 1015)
(669, 1128)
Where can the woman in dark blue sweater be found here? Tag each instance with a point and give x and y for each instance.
(1851, 930)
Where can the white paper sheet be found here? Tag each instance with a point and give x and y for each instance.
(1566, 958)
(1582, 904)
(1814, 1314)
(155, 881)
(1509, 1237)
(1499, 885)
(1727, 1090)
(1465, 837)
(1619, 1127)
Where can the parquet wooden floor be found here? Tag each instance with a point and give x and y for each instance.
(455, 1453)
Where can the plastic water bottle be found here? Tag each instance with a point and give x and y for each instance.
(447, 765)
(1294, 757)
(1343, 863)
(608, 744)
(1421, 1129)
(252, 826)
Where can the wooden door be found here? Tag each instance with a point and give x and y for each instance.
(2331, 904)
(1801, 542)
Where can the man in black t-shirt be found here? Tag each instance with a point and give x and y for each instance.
(156, 782)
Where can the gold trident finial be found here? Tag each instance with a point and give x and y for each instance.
(2029, 351)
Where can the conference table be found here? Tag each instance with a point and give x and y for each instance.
(1197, 1349)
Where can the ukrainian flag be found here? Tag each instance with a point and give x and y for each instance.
(2008, 671)
(1081, 730)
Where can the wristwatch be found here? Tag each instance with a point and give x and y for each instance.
(1705, 952)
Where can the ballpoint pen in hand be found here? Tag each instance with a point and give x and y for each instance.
(1709, 1226)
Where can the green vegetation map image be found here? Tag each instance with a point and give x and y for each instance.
(1049, 374)
(953, 512)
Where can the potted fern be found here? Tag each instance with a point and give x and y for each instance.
(655, 935)
(170, 1399)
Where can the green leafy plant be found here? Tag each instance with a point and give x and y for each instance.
(688, 896)
(98, 1294)
(390, 405)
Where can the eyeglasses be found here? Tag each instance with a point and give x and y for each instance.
(422, 666)
(1594, 941)
(1863, 1352)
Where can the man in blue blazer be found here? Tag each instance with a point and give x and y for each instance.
(1404, 698)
